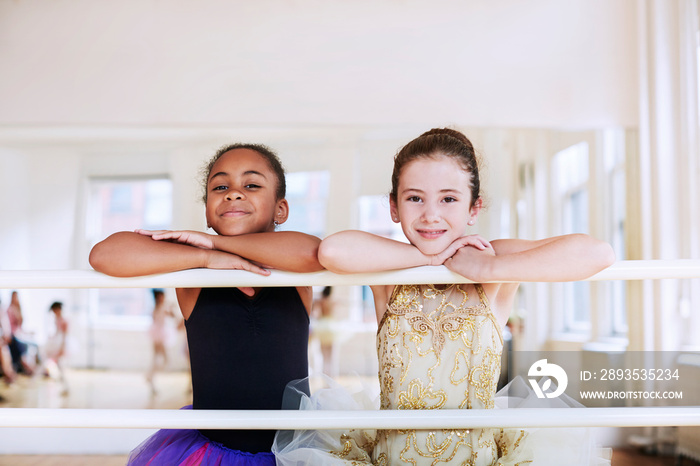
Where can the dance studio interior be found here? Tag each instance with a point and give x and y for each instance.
(585, 116)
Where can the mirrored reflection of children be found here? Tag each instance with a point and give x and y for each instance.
(23, 350)
(160, 335)
(322, 329)
(57, 347)
(8, 371)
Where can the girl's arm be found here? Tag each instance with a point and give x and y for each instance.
(561, 258)
(291, 251)
(354, 251)
(128, 254)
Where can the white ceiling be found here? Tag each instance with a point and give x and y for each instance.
(540, 63)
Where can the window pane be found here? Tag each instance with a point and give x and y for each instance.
(576, 212)
(307, 194)
(117, 205)
(126, 204)
(571, 167)
(158, 212)
(375, 217)
(570, 182)
(581, 300)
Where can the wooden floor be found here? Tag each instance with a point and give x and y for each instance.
(630, 457)
(92, 390)
(620, 458)
(100, 389)
(60, 460)
(86, 389)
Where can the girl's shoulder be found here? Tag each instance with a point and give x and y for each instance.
(306, 294)
(186, 299)
(382, 294)
(382, 291)
(500, 299)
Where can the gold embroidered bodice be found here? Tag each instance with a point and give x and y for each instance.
(439, 347)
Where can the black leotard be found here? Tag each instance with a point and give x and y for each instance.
(243, 352)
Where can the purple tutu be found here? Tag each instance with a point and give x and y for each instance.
(188, 447)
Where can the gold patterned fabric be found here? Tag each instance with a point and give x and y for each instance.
(440, 347)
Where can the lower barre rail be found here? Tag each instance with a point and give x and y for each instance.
(388, 419)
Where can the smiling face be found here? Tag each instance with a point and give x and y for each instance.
(241, 195)
(434, 203)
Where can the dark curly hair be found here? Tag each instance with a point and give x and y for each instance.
(268, 154)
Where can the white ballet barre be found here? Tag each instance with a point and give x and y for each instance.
(196, 278)
(292, 420)
(385, 419)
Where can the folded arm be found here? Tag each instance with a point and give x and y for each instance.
(128, 254)
(354, 251)
(558, 259)
(285, 250)
(132, 254)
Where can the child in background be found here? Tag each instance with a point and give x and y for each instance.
(56, 347)
(8, 369)
(24, 351)
(159, 333)
(439, 346)
(323, 329)
(245, 344)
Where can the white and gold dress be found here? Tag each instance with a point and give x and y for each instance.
(439, 347)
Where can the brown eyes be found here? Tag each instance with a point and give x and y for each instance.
(224, 187)
(418, 199)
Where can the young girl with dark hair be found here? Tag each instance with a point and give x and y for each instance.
(245, 344)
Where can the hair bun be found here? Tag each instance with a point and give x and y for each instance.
(444, 142)
(449, 132)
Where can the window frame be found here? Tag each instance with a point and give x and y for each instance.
(94, 234)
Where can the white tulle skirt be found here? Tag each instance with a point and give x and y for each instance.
(510, 447)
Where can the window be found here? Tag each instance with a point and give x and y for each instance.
(307, 194)
(375, 217)
(126, 204)
(570, 170)
(570, 189)
(614, 164)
